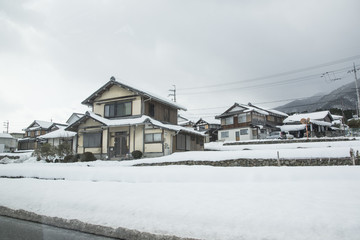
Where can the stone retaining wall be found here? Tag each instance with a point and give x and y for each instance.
(301, 140)
(263, 162)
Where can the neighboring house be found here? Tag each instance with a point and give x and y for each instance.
(210, 127)
(245, 122)
(184, 122)
(59, 136)
(74, 117)
(18, 135)
(34, 130)
(318, 124)
(125, 119)
(7, 143)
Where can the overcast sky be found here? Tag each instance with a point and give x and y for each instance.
(54, 54)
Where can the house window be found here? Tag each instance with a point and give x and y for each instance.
(243, 131)
(152, 137)
(202, 127)
(225, 134)
(151, 110)
(29, 134)
(118, 109)
(37, 133)
(229, 120)
(180, 142)
(92, 140)
(241, 118)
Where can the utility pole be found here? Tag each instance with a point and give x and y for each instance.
(173, 92)
(6, 125)
(357, 92)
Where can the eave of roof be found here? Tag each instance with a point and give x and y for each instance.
(89, 101)
(132, 121)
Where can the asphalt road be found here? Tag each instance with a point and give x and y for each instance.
(13, 229)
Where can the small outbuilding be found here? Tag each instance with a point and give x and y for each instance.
(7, 143)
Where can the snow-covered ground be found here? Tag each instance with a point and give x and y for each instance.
(198, 201)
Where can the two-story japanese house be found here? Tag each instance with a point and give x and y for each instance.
(124, 119)
(245, 122)
(34, 130)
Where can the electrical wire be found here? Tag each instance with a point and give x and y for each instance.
(343, 60)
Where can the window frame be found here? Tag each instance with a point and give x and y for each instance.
(242, 116)
(223, 133)
(113, 109)
(97, 143)
(228, 118)
(244, 130)
(152, 138)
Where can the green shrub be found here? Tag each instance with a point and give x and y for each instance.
(64, 149)
(354, 124)
(87, 157)
(71, 158)
(137, 154)
(45, 151)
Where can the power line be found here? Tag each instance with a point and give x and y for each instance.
(272, 84)
(279, 74)
(300, 105)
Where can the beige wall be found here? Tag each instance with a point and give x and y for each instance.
(153, 147)
(111, 95)
(89, 126)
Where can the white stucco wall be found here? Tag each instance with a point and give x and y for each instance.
(232, 134)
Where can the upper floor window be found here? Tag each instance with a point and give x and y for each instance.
(118, 109)
(242, 118)
(229, 120)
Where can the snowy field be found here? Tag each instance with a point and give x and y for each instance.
(198, 201)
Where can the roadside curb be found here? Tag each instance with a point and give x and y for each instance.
(74, 224)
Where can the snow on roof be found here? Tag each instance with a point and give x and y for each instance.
(59, 133)
(74, 117)
(6, 135)
(38, 124)
(140, 120)
(211, 120)
(237, 107)
(337, 117)
(313, 116)
(44, 124)
(288, 128)
(132, 88)
(277, 112)
(321, 123)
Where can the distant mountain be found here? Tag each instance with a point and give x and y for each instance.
(342, 98)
